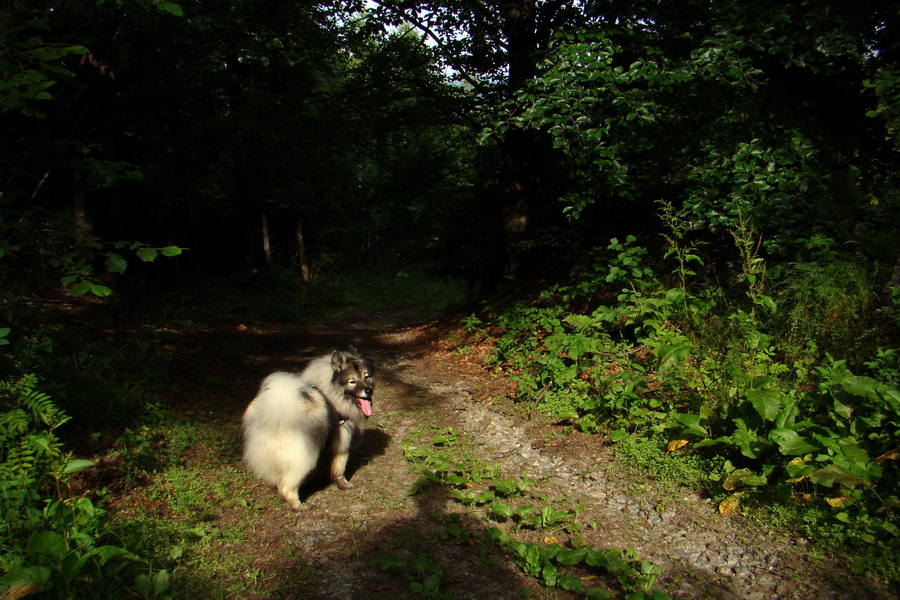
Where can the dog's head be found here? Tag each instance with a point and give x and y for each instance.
(356, 375)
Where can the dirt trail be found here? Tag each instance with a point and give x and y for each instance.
(324, 552)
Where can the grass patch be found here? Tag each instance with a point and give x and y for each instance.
(194, 517)
(647, 456)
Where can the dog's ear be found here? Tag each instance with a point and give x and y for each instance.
(354, 350)
(337, 362)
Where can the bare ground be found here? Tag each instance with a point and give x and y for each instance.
(325, 551)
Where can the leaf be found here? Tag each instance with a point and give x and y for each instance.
(172, 8)
(73, 466)
(485, 497)
(730, 504)
(791, 443)
(743, 478)
(100, 291)
(420, 484)
(549, 575)
(676, 445)
(390, 561)
(456, 479)
(839, 501)
(889, 455)
(617, 435)
(115, 263)
(569, 583)
(571, 556)
(502, 509)
(692, 425)
(858, 385)
(670, 356)
(768, 403)
(81, 288)
(147, 254)
(49, 543)
(836, 475)
(524, 510)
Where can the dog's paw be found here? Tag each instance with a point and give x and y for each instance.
(342, 483)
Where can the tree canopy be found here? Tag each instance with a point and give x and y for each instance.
(456, 134)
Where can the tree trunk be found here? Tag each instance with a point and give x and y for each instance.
(518, 147)
(266, 246)
(301, 253)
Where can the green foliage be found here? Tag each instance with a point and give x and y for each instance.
(51, 539)
(739, 381)
(670, 469)
(548, 562)
(442, 459)
(425, 577)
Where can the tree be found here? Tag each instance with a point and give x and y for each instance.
(759, 114)
(494, 49)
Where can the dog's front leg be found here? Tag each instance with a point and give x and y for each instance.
(341, 452)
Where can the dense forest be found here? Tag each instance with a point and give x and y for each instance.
(671, 220)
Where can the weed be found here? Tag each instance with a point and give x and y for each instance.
(507, 500)
(425, 576)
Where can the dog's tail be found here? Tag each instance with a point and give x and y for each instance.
(283, 400)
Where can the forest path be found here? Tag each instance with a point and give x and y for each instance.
(325, 551)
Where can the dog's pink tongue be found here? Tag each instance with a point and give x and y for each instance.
(365, 406)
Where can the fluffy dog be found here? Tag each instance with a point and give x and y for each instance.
(294, 418)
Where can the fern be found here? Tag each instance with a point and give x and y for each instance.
(22, 394)
(580, 323)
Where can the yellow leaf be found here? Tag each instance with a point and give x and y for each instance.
(551, 540)
(798, 479)
(730, 504)
(835, 502)
(675, 445)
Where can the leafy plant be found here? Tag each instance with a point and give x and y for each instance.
(51, 538)
(425, 577)
(465, 482)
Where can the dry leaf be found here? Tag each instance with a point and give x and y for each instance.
(889, 455)
(551, 540)
(676, 445)
(730, 504)
(838, 501)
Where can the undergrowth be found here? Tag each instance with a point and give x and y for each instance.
(444, 461)
(779, 388)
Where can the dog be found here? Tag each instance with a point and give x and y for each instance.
(294, 419)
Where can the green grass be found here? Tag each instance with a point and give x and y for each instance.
(196, 514)
(671, 471)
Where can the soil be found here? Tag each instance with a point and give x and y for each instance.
(326, 550)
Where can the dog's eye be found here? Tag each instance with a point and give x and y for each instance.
(351, 382)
